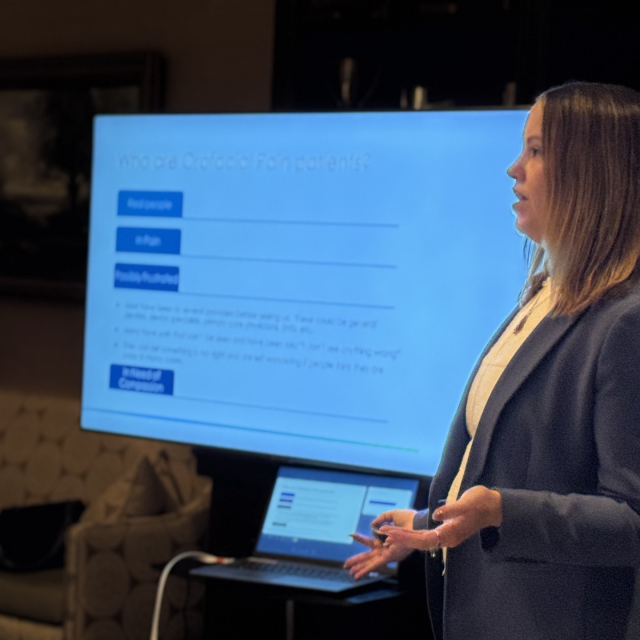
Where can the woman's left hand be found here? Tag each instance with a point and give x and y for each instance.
(477, 508)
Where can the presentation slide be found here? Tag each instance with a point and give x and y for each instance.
(312, 286)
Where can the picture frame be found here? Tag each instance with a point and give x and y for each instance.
(46, 117)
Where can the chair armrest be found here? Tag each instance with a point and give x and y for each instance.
(111, 579)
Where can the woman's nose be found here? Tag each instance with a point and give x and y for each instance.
(515, 170)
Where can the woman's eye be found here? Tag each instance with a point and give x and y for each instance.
(535, 151)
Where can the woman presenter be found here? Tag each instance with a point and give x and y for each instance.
(533, 524)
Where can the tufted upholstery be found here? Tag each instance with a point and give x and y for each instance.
(107, 588)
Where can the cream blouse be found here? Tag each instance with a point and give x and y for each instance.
(492, 366)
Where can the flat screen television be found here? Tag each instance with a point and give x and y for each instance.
(309, 286)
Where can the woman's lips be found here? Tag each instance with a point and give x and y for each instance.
(521, 199)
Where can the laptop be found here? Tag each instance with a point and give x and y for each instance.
(305, 538)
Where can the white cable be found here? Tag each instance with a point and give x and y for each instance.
(205, 558)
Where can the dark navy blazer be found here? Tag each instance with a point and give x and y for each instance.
(560, 439)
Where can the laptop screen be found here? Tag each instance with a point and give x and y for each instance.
(312, 511)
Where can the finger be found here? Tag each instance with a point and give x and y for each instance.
(353, 560)
(363, 563)
(357, 568)
(366, 569)
(455, 531)
(361, 574)
(422, 539)
(387, 516)
(446, 513)
(361, 567)
(398, 534)
(467, 502)
(450, 511)
(372, 543)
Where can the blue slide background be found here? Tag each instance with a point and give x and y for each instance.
(338, 276)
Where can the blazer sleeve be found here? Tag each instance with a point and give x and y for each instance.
(421, 520)
(590, 530)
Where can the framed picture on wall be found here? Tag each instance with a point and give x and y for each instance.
(46, 117)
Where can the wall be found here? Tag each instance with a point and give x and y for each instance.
(219, 55)
(219, 51)
(41, 346)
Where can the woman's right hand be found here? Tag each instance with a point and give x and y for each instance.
(380, 555)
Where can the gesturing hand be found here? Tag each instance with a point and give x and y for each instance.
(379, 555)
(477, 508)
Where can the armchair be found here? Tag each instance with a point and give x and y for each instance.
(106, 589)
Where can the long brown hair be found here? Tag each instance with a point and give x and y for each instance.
(591, 146)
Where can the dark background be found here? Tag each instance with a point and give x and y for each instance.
(464, 52)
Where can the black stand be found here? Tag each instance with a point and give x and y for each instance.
(240, 610)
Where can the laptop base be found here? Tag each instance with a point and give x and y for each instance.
(297, 575)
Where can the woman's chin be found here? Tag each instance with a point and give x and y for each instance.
(521, 225)
(527, 229)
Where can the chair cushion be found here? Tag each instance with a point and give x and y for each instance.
(140, 492)
(38, 595)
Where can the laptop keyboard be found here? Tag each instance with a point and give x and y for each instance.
(294, 569)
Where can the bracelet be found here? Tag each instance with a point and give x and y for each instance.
(434, 550)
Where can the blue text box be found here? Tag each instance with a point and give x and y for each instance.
(148, 240)
(166, 204)
(141, 379)
(146, 276)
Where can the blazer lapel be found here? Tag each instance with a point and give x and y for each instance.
(458, 436)
(524, 361)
